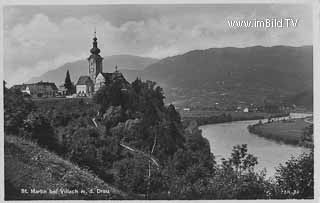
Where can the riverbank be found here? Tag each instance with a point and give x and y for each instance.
(213, 117)
(222, 137)
(293, 131)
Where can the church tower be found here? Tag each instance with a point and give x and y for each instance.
(95, 60)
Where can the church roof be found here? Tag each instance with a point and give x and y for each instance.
(84, 80)
(107, 76)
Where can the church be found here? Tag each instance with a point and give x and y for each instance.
(87, 85)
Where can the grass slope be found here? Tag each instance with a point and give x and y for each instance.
(289, 132)
(209, 117)
(28, 166)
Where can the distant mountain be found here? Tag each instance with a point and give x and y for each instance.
(128, 64)
(232, 75)
(215, 76)
(304, 98)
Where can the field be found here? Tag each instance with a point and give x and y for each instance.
(290, 131)
(211, 117)
(208, 113)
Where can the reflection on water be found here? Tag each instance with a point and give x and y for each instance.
(224, 136)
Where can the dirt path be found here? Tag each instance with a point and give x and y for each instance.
(154, 161)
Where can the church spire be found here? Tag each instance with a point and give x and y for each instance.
(95, 50)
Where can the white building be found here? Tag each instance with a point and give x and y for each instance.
(27, 90)
(101, 79)
(62, 90)
(84, 87)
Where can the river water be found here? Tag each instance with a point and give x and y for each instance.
(222, 137)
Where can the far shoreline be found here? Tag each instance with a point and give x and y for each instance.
(294, 132)
(229, 116)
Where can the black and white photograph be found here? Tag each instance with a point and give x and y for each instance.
(159, 101)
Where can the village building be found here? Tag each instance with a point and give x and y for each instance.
(62, 90)
(101, 80)
(38, 90)
(26, 90)
(84, 87)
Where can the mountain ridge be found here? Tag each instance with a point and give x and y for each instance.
(128, 63)
(220, 75)
(248, 74)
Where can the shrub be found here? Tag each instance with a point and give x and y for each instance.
(38, 128)
(295, 178)
(16, 109)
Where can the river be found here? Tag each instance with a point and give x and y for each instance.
(222, 137)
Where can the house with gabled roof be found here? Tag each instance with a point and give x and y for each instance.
(38, 90)
(84, 86)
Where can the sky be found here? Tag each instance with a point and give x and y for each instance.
(38, 39)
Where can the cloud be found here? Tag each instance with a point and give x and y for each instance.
(40, 43)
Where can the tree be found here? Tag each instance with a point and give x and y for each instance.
(16, 109)
(307, 136)
(68, 84)
(132, 174)
(235, 178)
(173, 114)
(112, 94)
(295, 178)
(241, 160)
(39, 128)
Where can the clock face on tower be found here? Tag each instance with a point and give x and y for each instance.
(95, 67)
